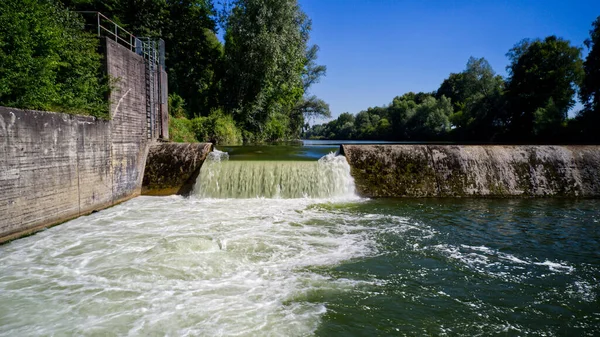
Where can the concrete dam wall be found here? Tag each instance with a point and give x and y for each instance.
(172, 168)
(475, 170)
(54, 167)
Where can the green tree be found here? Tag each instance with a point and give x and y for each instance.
(342, 127)
(193, 54)
(477, 100)
(543, 75)
(454, 88)
(265, 54)
(429, 120)
(47, 61)
(309, 106)
(141, 17)
(401, 111)
(363, 125)
(590, 86)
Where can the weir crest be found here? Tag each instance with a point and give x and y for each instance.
(221, 178)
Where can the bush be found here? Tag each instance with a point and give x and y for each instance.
(276, 128)
(181, 130)
(201, 127)
(177, 106)
(217, 128)
(48, 62)
(224, 130)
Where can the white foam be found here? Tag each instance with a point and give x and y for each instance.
(329, 177)
(175, 266)
(556, 266)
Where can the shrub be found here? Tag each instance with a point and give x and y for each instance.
(181, 130)
(276, 128)
(177, 106)
(217, 128)
(48, 62)
(224, 130)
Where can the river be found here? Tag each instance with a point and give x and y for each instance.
(299, 254)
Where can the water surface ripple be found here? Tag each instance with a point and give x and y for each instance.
(297, 267)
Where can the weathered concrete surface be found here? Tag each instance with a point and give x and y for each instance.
(475, 170)
(55, 167)
(129, 125)
(172, 168)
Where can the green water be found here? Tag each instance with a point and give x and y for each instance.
(285, 248)
(472, 267)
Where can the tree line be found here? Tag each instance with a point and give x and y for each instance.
(252, 87)
(477, 105)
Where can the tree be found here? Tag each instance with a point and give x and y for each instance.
(312, 71)
(47, 61)
(429, 119)
(454, 88)
(542, 78)
(309, 106)
(477, 100)
(265, 54)
(344, 126)
(141, 17)
(193, 54)
(363, 125)
(590, 86)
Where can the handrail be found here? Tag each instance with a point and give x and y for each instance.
(114, 31)
(150, 49)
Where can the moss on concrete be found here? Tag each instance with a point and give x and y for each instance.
(172, 168)
(475, 171)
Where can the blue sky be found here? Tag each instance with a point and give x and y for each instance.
(375, 50)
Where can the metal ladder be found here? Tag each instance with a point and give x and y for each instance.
(149, 53)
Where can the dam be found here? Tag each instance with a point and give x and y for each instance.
(274, 244)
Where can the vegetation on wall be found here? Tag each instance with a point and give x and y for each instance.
(47, 61)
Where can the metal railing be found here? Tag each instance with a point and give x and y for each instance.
(153, 52)
(112, 30)
(151, 49)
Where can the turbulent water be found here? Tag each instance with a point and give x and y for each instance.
(329, 177)
(299, 263)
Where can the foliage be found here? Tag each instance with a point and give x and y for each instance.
(590, 86)
(412, 116)
(176, 106)
(48, 62)
(543, 75)
(217, 128)
(181, 130)
(193, 54)
(265, 45)
(477, 99)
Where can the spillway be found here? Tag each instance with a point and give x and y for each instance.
(329, 177)
(279, 245)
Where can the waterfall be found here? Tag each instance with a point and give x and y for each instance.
(219, 178)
